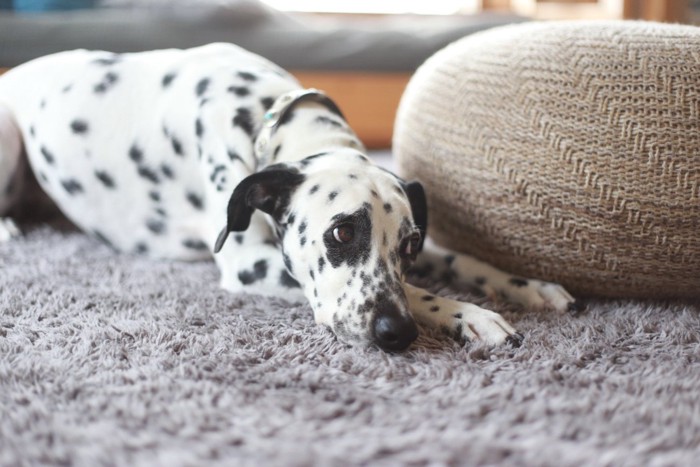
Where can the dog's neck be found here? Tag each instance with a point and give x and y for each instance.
(297, 129)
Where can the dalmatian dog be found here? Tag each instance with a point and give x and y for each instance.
(215, 151)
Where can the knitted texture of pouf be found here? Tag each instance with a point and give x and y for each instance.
(566, 151)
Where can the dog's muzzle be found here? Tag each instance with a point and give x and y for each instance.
(393, 331)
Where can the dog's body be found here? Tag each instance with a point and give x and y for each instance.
(155, 152)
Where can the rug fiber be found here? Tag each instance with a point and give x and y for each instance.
(109, 359)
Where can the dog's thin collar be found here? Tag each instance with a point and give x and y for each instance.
(281, 107)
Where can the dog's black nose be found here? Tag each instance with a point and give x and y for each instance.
(394, 332)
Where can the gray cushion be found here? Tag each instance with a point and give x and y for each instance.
(301, 42)
(566, 151)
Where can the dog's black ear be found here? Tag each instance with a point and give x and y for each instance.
(419, 208)
(268, 191)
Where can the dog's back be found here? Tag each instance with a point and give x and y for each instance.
(117, 140)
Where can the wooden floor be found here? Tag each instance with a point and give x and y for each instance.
(368, 100)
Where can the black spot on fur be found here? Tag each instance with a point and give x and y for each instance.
(156, 226)
(105, 178)
(198, 128)
(287, 117)
(107, 61)
(287, 262)
(167, 79)
(202, 86)
(332, 195)
(215, 173)
(302, 227)
(356, 251)
(48, 155)
(246, 76)
(427, 298)
(135, 154)
(259, 272)
(321, 264)
(167, 171)
(238, 238)
(434, 308)
(107, 83)
(72, 186)
(267, 102)
(240, 91)
(195, 200)
(291, 218)
(352, 176)
(277, 150)
(449, 259)
(244, 120)
(67, 88)
(103, 238)
(456, 315)
(233, 155)
(161, 212)
(314, 189)
(79, 127)
(32, 133)
(480, 280)
(328, 121)
(193, 244)
(309, 159)
(141, 248)
(154, 195)
(518, 282)
(148, 174)
(302, 241)
(388, 208)
(288, 281)
(177, 146)
(374, 193)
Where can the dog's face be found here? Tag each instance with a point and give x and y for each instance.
(348, 231)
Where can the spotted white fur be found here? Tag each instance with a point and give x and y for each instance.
(153, 153)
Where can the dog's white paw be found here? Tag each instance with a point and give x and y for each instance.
(8, 230)
(539, 295)
(473, 323)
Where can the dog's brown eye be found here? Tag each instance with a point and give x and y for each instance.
(344, 233)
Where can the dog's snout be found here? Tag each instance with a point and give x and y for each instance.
(392, 331)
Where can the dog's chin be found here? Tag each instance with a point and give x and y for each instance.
(351, 339)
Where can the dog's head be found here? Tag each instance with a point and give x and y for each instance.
(348, 231)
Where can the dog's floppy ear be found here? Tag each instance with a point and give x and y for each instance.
(419, 208)
(268, 191)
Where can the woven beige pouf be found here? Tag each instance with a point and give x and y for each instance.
(565, 151)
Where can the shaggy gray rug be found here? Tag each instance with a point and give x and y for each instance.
(109, 359)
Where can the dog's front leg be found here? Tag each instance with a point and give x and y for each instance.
(467, 271)
(464, 321)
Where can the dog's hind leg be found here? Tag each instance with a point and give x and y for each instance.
(467, 271)
(11, 171)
